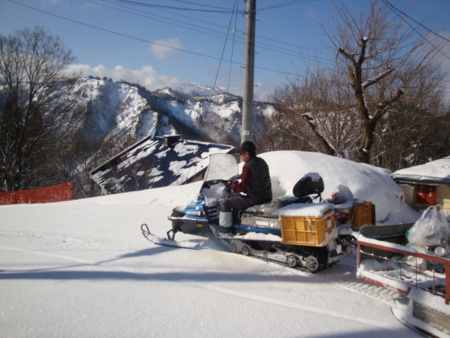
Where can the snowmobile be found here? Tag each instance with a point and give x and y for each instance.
(293, 230)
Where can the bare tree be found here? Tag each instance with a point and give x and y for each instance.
(32, 111)
(382, 61)
(349, 110)
(316, 109)
(410, 135)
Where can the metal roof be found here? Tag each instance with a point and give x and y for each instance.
(156, 162)
(434, 172)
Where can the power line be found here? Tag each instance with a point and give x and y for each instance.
(400, 13)
(201, 5)
(395, 9)
(208, 31)
(232, 50)
(224, 45)
(114, 32)
(159, 18)
(137, 3)
(146, 41)
(285, 4)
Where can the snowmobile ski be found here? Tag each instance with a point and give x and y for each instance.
(164, 241)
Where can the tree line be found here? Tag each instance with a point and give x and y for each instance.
(382, 103)
(40, 142)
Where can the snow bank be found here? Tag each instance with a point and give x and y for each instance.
(366, 182)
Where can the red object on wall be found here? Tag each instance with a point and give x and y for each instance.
(56, 193)
(426, 194)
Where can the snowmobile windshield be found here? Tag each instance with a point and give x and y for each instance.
(221, 167)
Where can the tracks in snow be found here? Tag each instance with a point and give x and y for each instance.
(341, 274)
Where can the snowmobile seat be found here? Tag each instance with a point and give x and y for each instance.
(267, 209)
(308, 185)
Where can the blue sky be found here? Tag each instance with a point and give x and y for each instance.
(125, 40)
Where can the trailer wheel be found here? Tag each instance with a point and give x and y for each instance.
(233, 248)
(312, 264)
(245, 250)
(291, 261)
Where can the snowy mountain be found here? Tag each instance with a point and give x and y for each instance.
(116, 109)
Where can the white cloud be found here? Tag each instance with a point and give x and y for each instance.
(163, 49)
(146, 76)
(149, 78)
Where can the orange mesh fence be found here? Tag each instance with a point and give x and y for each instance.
(56, 193)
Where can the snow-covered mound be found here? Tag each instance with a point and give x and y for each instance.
(366, 182)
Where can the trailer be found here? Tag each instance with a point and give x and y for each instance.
(385, 259)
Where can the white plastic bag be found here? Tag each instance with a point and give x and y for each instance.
(431, 229)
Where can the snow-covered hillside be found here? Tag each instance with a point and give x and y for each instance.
(119, 109)
(113, 108)
(82, 268)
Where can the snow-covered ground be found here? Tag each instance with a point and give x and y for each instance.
(83, 269)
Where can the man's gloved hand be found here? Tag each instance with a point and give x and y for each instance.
(235, 178)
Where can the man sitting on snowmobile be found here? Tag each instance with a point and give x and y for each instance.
(255, 183)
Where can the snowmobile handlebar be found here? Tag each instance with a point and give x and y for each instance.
(234, 178)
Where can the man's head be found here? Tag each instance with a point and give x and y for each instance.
(248, 150)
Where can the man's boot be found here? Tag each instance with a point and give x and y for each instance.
(225, 221)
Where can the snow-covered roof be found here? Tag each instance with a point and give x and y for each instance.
(434, 172)
(156, 162)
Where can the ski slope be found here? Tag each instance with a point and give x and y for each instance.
(83, 269)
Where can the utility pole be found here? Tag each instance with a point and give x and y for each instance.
(247, 109)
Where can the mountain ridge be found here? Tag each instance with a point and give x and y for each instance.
(117, 108)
